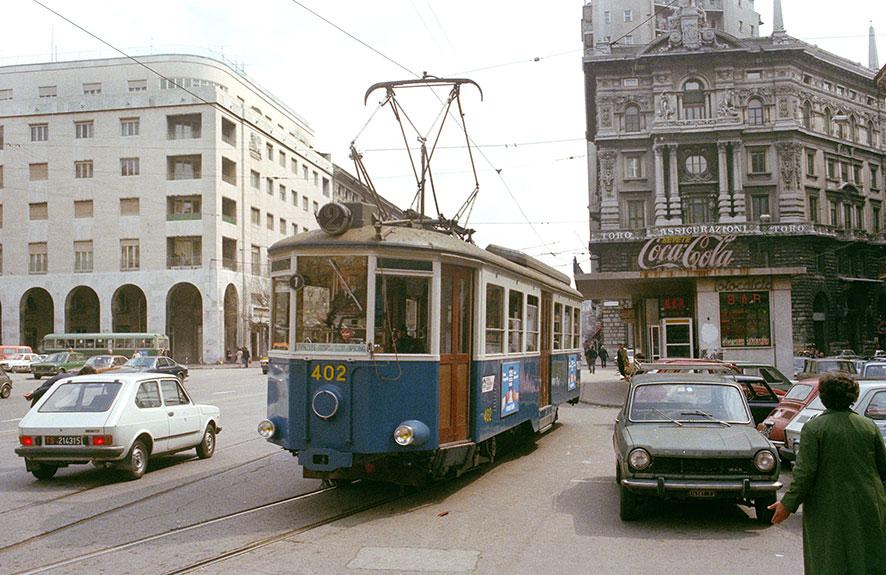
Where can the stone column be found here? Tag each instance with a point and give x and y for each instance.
(674, 202)
(790, 198)
(661, 200)
(738, 201)
(724, 202)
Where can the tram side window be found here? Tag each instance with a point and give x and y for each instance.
(531, 323)
(280, 315)
(331, 307)
(495, 297)
(558, 326)
(515, 321)
(567, 327)
(402, 313)
(576, 328)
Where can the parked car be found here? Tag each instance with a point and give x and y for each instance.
(775, 378)
(871, 403)
(10, 350)
(18, 363)
(119, 420)
(790, 405)
(816, 366)
(264, 364)
(103, 363)
(5, 384)
(874, 369)
(61, 362)
(762, 399)
(691, 437)
(157, 364)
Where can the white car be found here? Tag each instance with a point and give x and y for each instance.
(117, 420)
(19, 363)
(871, 403)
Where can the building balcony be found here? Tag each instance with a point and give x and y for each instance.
(179, 217)
(184, 262)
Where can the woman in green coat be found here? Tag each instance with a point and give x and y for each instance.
(839, 478)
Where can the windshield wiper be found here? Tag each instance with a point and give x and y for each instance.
(705, 414)
(666, 416)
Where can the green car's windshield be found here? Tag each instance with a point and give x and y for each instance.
(688, 402)
(90, 396)
(60, 357)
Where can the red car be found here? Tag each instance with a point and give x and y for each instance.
(800, 395)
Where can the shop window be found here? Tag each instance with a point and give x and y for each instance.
(531, 323)
(331, 307)
(280, 314)
(744, 319)
(495, 296)
(558, 326)
(515, 321)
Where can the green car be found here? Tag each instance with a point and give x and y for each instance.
(684, 436)
(61, 362)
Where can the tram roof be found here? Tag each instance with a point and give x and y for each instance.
(405, 238)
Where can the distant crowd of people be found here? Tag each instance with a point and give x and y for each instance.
(626, 365)
(240, 357)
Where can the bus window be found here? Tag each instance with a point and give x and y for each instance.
(331, 307)
(495, 296)
(280, 315)
(558, 326)
(515, 321)
(531, 323)
(402, 313)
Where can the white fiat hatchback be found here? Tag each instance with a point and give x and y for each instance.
(117, 420)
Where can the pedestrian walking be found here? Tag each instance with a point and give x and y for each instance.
(591, 356)
(838, 478)
(621, 359)
(239, 357)
(604, 356)
(245, 356)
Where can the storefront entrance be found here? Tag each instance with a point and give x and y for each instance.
(677, 337)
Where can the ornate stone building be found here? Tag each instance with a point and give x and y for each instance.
(735, 194)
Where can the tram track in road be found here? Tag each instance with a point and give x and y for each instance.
(118, 508)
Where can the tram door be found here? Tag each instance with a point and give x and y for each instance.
(544, 370)
(456, 303)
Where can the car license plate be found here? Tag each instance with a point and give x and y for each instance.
(701, 493)
(64, 440)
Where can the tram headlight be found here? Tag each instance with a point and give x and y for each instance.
(411, 432)
(266, 428)
(764, 460)
(639, 459)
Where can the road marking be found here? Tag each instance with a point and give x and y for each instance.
(9, 431)
(223, 392)
(11, 420)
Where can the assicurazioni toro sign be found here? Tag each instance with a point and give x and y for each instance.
(736, 229)
(688, 253)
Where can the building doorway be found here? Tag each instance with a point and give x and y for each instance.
(36, 317)
(129, 310)
(82, 311)
(184, 323)
(678, 337)
(654, 343)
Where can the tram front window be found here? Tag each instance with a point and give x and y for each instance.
(280, 317)
(331, 307)
(402, 313)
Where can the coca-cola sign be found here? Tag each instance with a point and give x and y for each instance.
(687, 252)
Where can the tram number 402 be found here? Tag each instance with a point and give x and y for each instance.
(330, 372)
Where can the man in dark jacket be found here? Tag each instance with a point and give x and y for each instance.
(591, 356)
(35, 395)
(838, 478)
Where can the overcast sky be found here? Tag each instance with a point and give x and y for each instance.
(526, 56)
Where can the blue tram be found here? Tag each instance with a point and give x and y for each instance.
(403, 354)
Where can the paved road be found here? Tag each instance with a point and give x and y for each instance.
(552, 506)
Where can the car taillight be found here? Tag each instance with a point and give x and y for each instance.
(102, 439)
(29, 440)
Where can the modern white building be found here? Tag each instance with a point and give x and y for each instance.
(143, 197)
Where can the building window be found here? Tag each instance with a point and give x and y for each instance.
(282, 226)
(813, 209)
(83, 209)
(47, 91)
(282, 192)
(515, 321)
(183, 127)
(758, 161)
(694, 100)
(256, 260)
(304, 203)
(810, 163)
(875, 172)
(754, 75)
(294, 197)
(633, 167)
(828, 122)
(293, 165)
(38, 211)
(228, 132)
(83, 169)
(38, 260)
(129, 166)
(607, 17)
(832, 169)
(856, 174)
(316, 208)
(270, 150)
(699, 209)
(129, 126)
(755, 112)
(744, 319)
(326, 187)
(184, 207)
(760, 206)
(184, 167)
(229, 171)
(304, 172)
(859, 217)
(630, 82)
(1, 177)
(696, 165)
(92, 88)
(255, 217)
(137, 85)
(6, 94)
(184, 252)
(294, 229)
(875, 220)
(495, 296)
(636, 214)
(83, 256)
(807, 115)
(39, 132)
(129, 255)
(129, 206)
(282, 159)
(38, 172)
(84, 130)
(835, 215)
(270, 221)
(632, 119)
(844, 172)
(847, 216)
(269, 182)
(629, 15)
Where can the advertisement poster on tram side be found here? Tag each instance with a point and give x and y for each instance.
(510, 388)
(572, 379)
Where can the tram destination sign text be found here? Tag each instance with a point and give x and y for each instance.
(737, 229)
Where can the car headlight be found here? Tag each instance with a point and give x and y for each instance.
(639, 459)
(404, 435)
(764, 461)
(266, 428)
